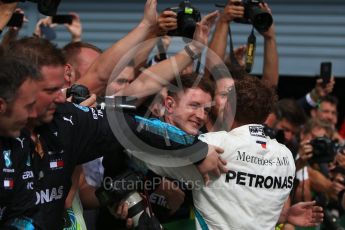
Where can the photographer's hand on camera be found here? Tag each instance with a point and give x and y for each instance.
(305, 151)
(120, 211)
(270, 33)
(75, 28)
(336, 186)
(231, 11)
(167, 21)
(340, 158)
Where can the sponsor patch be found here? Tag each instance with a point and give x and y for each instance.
(262, 143)
(56, 164)
(7, 158)
(8, 183)
(257, 131)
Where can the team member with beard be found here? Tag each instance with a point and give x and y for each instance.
(18, 90)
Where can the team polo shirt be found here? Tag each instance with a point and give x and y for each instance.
(252, 193)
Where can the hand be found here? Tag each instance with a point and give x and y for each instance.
(47, 21)
(202, 30)
(25, 19)
(150, 14)
(270, 33)
(90, 102)
(305, 150)
(336, 186)
(120, 211)
(320, 90)
(305, 214)
(240, 54)
(231, 11)
(340, 158)
(213, 164)
(75, 28)
(167, 21)
(6, 11)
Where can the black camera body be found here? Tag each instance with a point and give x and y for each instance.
(187, 17)
(126, 187)
(253, 14)
(324, 150)
(116, 189)
(46, 7)
(79, 93)
(277, 134)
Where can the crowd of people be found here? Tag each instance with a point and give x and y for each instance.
(123, 139)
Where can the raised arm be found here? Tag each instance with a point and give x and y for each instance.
(270, 74)
(99, 73)
(219, 41)
(159, 75)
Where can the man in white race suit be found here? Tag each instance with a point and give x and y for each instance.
(252, 193)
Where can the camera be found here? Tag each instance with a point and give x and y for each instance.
(253, 14)
(46, 7)
(125, 187)
(79, 93)
(187, 17)
(275, 134)
(324, 150)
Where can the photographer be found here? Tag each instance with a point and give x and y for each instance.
(231, 12)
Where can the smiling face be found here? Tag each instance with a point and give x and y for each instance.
(188, 110)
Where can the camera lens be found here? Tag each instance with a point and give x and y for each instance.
(262, 21)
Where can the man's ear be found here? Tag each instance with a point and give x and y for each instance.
(68, 75)
(169, 104)
(3, 106)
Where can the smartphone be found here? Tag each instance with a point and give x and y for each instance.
(16, 20)
(47, 32)
(326, 72)
(62, 19)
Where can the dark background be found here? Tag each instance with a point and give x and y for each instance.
(298, 86)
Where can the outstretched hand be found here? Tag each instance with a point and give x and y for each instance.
(305, 214)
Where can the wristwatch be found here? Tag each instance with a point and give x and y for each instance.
(191, 53)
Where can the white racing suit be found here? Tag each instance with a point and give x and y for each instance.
(252, 193)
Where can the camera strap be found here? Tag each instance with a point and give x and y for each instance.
(250, 53)
(161, 50)
(233, 59)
